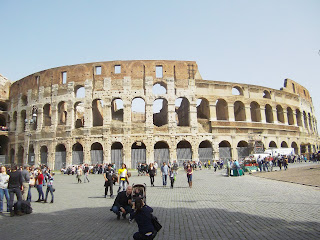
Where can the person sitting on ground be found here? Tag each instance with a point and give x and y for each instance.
(142, 215)
(122, 203)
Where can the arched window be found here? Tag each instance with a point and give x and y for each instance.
(239, 111)
(97, 112)
(117, 109)
(236, 90)
(280, 115)
(160, 112)
(138, 110)
(255, 112)
(222, 110)
(159, 88)
(182, 111)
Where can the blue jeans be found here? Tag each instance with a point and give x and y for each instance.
(29, 194)
(49, 189)
(13, 191)
(41, 195)
(164, 179)
(117, 211)
(123, 184)
(4, 192)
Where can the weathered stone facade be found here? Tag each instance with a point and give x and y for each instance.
(211, 119)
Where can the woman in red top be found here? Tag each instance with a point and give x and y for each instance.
(39, 185)
(189, 171)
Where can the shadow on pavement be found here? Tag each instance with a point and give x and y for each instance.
(178, 223)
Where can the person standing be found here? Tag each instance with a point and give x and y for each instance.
(123, 177)
(15, 186)
(79, 174)
(86, 173)
(4, 179)
(172, 175)
(49, 187)
(155, 165)
(164, 173)
(25, 182)
(189, 171)
(108, 172)
(40, 179)
(152, 172)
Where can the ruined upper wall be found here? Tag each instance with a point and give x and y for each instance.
(4, 88)
(294, 87)
(138, 69)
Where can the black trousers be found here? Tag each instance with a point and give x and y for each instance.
(152, 180)
(139, 236)
(107, 185)
(13, 191)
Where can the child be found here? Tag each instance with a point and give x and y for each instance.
(172, 176)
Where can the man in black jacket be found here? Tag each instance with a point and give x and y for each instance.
(122, 203)
(15, 186)
(108, 172)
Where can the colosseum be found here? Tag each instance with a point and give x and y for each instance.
(146, 111)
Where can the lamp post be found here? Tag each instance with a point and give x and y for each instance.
(30, 122)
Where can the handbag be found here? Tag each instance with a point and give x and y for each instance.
(156, 224)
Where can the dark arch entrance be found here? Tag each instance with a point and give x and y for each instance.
(184, 152)
(161, 152)
(138, 154)
(96, 153)
(60, 157)
(77, 154)
(225, 151)
(205, 151)
(117, 154)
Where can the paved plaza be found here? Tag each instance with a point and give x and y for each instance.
(217, 207)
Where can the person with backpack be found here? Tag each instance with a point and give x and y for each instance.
(15, 186)
(108, 178)
(143, 217)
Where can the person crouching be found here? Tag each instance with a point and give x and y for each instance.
(122, 203)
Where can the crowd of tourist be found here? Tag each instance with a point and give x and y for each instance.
(18, 181)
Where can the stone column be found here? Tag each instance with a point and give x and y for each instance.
(231, 112)
(213, 112)
(70, 115)
(263, 114)
(285, 117)
(248, 113)
(275, 116)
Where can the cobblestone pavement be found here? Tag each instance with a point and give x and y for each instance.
(308, 175)
(217, 207)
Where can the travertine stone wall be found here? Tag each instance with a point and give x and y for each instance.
(211, 124)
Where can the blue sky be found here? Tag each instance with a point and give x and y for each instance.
(247, 41)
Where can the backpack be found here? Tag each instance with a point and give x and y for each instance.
(25, 207)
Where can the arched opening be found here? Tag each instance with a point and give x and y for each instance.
(96, 153)
(4, 140)
(97, 112)
(31, 155)
(117, 154)
(299, 118)
(310, 121)
(290, 116)
(79, 114)
(269, 114)
(159, 88)
(305, 120)
(272, 144)
(205, 151)
(117, 109)
(77, 154)
(161, 152)
(3, 106)
(236, 90)
(60, 157)
(266, 94)
(138, 154)
(138, 110)
(242, 149)
(34, 124)
(80, 91)
(225, 151)
(222, 110)
(44, 155)
(294, 145)
(24, 100)
(203, 114)
(23, 120)
(62, 113)
(284, 144)
(160, 112)
(255, 112)
(239, 111)
(280, 115)
(182, 111)
(20, 156)
(3, 122)
(184, 152)
(47, 115)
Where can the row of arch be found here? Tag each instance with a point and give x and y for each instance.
(223, 112)
(161, 149)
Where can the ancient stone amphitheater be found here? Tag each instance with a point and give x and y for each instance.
(146, 111)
